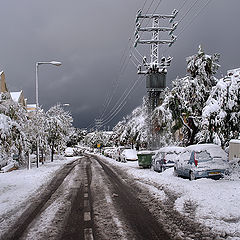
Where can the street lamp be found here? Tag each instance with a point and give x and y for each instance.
(64, 104)
(37, 103)
(37, 64)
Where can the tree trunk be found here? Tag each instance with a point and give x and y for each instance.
(37, 153)
(52, 152)
(194, 128)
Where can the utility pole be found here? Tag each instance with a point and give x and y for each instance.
(155, 69)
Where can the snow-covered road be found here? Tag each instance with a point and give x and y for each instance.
(214, 204)
(201, 209)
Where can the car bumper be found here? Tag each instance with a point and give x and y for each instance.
(215, 173)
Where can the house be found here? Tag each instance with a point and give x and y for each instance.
(3, 86)
(18, 97)
(31, 108)
(234, 149)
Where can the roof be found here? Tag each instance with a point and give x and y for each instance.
(213, 149)
(15, 96)
(235, 141)
(171, 149)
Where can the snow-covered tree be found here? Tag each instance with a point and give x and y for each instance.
(76, 136)
(15, 118)
(162, 120)
(59, 128)
(190, 93)
(221, 115)
(133, 130)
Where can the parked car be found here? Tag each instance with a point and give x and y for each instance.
(117, 153)
(128, 155)
(201, 161)
(69, 152)
(108, 151)
(165, 158)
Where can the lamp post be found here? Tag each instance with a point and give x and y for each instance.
(37, 102)
(37, 64)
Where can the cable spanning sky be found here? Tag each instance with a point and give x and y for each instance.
(91, 39)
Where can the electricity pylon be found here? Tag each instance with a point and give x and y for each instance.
(154, 68)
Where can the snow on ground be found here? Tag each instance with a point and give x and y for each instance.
(17, 186)
(217, 202)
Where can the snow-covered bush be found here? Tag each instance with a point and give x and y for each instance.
(234, 170)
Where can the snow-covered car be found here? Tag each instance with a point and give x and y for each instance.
(3, 162)
(108, 151)
(117, 153)
(201, 161)
(166, 157)
(128, 155)
(69, 152)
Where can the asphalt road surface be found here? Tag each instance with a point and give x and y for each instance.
(88, 199)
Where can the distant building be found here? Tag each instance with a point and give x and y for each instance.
(31, 109)
(3, 86)
(235, 72)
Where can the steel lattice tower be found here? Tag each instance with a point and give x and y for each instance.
(155, 70)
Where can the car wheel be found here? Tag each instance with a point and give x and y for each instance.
(192, 176)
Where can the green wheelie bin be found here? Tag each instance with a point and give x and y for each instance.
(145, 158)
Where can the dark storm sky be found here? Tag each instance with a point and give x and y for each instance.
(89, 38)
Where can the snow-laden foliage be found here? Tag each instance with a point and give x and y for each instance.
(59, 127)
(104, 138)
(20, 133)
(76, 136)
(203, 66)
(189, 94)
(133, 129)
(162, 121)
(13, 119)
(221, 115)
(198, 109)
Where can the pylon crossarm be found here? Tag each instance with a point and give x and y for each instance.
(155, 41)
(157, 16)
(159, 29)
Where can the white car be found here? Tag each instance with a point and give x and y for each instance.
(129, 155)
(202, 161)
(117, 153)
(69, 152)
(166, 157)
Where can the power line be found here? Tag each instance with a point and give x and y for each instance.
(191, 21)
(122, 104)
(110, 99)
(186, 26)
(192, 6)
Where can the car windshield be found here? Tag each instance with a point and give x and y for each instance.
(171, 156)
(203, 156)
(184, 156)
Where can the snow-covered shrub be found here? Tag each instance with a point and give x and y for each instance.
(234, 170)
